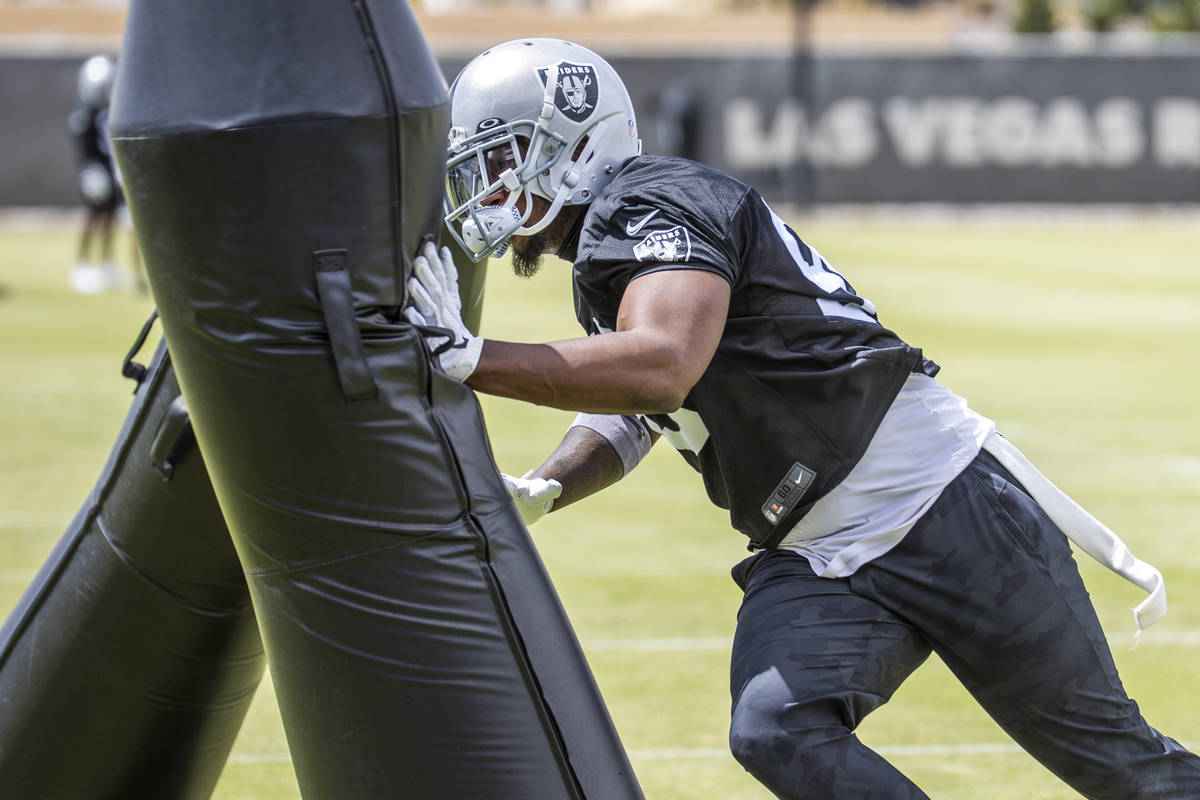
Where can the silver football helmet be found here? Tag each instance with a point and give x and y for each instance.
(531, 117)
(96, 76)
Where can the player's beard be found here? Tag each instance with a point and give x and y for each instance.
(527, 258)
(527, 251)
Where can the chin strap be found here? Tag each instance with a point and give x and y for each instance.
(560, 199)
(564, 191)
(548, 96)
(570, 181)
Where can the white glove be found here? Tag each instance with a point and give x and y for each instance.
(435, 307)
(533, 496)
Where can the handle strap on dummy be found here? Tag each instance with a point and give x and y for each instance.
(130, 368)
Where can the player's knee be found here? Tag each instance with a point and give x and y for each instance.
(805, 749)
(793, 763)
(755, 747)
(770, 729)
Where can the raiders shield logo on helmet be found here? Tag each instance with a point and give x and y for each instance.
(577, 89)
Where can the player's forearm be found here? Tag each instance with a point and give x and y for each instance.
(615, 373)
(584, 463)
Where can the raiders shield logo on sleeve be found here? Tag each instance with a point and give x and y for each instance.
(577, 90)
(673, 244)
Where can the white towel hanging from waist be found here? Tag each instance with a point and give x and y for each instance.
(1091, 535)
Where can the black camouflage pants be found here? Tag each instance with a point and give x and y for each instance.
(987, 582)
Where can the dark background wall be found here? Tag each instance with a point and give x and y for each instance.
(37, 157)
(1027, 127)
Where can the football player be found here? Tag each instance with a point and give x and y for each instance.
(94, 270)
(888, 520)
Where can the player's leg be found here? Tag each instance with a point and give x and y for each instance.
(95, 184)
(84, 276)
(103, 276)
(106, 221)
(810, 660)
(84, 251)
(992, 583)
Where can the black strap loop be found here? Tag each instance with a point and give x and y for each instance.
(130, 368)
(337, 303)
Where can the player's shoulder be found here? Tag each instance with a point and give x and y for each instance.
(670, 181)
(661, 193)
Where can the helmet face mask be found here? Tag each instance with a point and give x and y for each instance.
(531, 117)
(497, 168)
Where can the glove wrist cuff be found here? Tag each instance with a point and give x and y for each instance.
(466, 359)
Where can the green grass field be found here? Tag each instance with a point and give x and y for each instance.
(1079, 338)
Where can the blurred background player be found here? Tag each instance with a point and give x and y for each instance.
(94, 269)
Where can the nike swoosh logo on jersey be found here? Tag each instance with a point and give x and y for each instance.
(633, 228)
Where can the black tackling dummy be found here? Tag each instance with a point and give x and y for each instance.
(283, 161)
(129, 663)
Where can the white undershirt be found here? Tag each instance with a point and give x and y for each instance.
(927, 437)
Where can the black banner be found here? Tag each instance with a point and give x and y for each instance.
(1019, 127)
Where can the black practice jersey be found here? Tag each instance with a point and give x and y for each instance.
(803, 372)
(89, 128)
(97, 180)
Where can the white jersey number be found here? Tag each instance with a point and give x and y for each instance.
(822, 275)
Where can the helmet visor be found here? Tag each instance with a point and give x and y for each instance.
(463, 181)
(485, 170)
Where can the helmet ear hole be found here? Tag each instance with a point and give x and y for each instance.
(579, 148)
